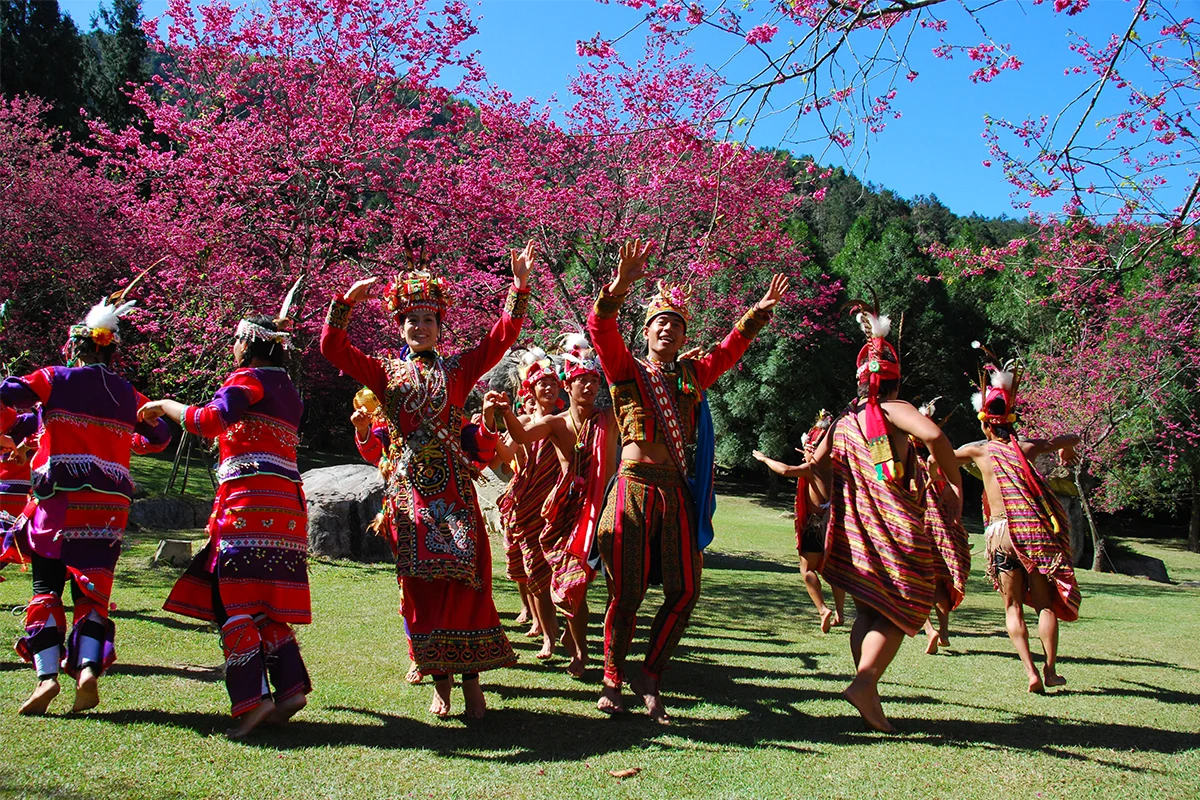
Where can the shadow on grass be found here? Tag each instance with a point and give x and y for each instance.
(162, 618)
(191, 672)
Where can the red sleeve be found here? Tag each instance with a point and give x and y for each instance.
(337, 349)
(240, 391)
(372, 449)
(26, 392)
(486, 354)
(614, 354)
(713, 365)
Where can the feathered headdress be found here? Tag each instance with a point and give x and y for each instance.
(998, 380)
(102, 325)
(248, 331)
(578, 357)
(535, 365)
(416, 289)
(818, 430)
(877, 361)
(670, 298)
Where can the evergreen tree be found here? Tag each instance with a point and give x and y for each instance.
(118, 56)
(42, 54)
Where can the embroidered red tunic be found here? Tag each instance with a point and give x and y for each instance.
(258, 533)
(442, 552)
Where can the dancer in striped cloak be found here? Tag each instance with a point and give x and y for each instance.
(1028, 539)
(951, 548)
(538, 470)
(877, 548)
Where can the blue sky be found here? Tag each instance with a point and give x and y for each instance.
(528, 47)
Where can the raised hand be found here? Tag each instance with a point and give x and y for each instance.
(360, 291)
(496, 400)
(522, 264)
(632, 265)
(1068, 457)
(361, 421)
(759, 455)
(778, 288)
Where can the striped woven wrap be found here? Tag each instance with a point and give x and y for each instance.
(877, 548)
(1038, 526)
(521, 511)
(951, 548)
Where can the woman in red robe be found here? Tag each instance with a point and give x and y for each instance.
(443, 558)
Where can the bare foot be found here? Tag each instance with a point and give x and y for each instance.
(39, 701)
(440, 707)
(536, 630)
(523, 617)
(932, 647)
(1035, 684)
(287, 708)
(943, 639)
(838, 619)
(1053, 678)
(547, 650)
(473, 697)
(251, 719)
(865, 698)
(577, 666)
(87, 690)
(610, 701)
(826, 620)
(414, 674)
(647, 687)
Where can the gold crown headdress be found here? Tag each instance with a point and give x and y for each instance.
(670, 298)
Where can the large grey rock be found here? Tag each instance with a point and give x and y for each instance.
(170, 513)
(488, 488)
(342, 502)
(1081, 537)
(1141, 566)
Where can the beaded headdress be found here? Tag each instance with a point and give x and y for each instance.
(873, 369)
(817, 432)
(578, 357)
(535, 365)
(997, 380)
(248, 331)
(416, 289)
(670, 298)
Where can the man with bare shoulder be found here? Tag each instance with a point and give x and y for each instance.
(877, 548)
(657, 518)
(1028, 539)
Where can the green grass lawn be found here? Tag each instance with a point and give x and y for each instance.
(754, 692)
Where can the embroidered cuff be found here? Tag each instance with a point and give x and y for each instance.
(339, 314)
(517, 304)
(609, 305)
(752, 322)
(191, 419)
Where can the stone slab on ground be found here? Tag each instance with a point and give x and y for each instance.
(176, 552)
(1141, 566)
(170, 512)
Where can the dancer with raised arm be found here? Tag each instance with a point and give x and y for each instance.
(658, 514)
(81, 492)
(538, 469)
(812, 519)
(584, 439)
(1028, 536)
(877, 549)
(251, 578)
(443, 558)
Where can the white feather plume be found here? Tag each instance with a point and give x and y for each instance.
(881, 326)
(977, 401)
(572, 342)
(103, 317)
(125, 308)
(804, 440)
(1002, 380)
(976, 344)
(532, 354)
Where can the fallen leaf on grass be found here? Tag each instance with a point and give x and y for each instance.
(625, 773)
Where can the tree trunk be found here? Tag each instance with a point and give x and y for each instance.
(1194, 524)
(1099, 557)
(772, 486)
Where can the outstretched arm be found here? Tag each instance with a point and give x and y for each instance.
(786, 470)
(610, 346)
(905, 417)
(1065, 444)
(502, 336)
(521, 432)
(716, 363)
(336, 346)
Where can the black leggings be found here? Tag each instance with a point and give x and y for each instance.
(50, 577)
(217, 604)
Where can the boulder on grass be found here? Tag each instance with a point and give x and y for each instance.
(1140, 566)
(342, 502)
(170, 513)
(176, 552)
